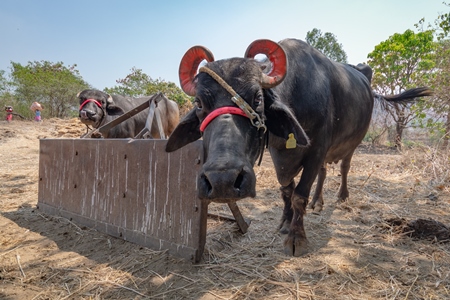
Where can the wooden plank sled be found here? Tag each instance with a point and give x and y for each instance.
(130, 189)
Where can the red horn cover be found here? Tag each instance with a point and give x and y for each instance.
(189, 65)
(275, 54)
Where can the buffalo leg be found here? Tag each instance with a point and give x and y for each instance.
(296, 243)
(286, 194)
(343, 189)
(317, 201)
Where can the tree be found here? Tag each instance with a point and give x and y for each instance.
(442, 24)
(401, 62)
(326, 43)
(3, 82)
(53, 85)
(133, 85)
(6, 97)
(439, 79)
(440, 84)
(137, 83)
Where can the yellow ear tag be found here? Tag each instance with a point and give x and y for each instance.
(291, 143)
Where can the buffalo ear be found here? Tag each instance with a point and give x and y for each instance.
(187, 131)
(281, 121)
(111, 108)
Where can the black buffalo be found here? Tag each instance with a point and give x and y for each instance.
(316, 111)
(98, 108)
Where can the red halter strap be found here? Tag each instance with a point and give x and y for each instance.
(90, 100)
(221, 111)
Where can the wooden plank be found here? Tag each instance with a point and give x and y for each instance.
(127, 188)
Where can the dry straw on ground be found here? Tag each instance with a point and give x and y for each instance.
(355, 253)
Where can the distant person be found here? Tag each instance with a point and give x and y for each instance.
(9, 113)
(36, 107)
(37, 116)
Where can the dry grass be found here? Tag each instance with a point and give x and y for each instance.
(355, 253)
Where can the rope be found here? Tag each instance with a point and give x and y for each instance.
(219, 80)
(237, 99)
(264, 137)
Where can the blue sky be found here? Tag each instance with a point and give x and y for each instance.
(106, 38)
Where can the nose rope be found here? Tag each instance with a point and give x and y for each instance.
(244, 107)
(255, 119)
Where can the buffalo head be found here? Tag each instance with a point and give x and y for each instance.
(234, 105)
(95, 106)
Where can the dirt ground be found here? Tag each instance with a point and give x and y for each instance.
(356, 250)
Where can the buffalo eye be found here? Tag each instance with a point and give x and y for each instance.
(198, 103)
(258, 99)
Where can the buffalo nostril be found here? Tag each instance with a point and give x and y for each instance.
(208, 185)
(83, 114)
(225, 184)
(238, 182)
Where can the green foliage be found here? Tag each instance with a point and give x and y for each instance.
(326, 43)
(171, 90)
(373, 135)
(8, 99)
(402, 61)
(439, 79)
(443, 22)
(441, 26)
(137, 83)
(3, 83)
(440, 104)
(53, 85)
(133, 85)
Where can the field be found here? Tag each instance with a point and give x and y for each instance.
(361, 249)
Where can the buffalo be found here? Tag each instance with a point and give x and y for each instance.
(309, 109)
(98, 108)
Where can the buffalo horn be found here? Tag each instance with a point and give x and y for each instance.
(277, 57)
(189, 65)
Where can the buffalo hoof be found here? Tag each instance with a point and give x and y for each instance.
(342, 198)
(96, 135)
(295, 247)
(284, 227)
(317, 210)
(316, 207)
